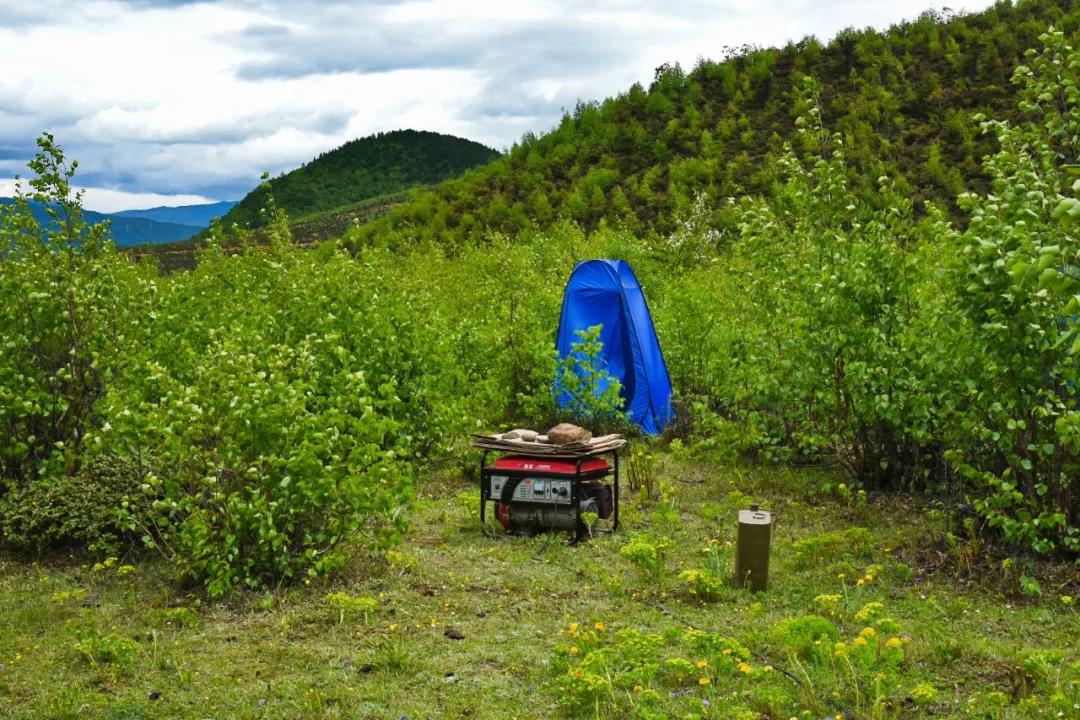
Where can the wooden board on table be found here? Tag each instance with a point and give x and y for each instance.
(602, 444)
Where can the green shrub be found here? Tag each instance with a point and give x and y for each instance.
(588, 393)
(1018, 280)
(69, 309)
(83, 509)
(274, 465)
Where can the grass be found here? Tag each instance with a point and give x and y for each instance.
(125, 641)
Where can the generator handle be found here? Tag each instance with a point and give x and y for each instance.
(575, 498)
(483, 490)
(615, 524)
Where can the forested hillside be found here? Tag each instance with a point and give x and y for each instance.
(902, 99)
(363, 169)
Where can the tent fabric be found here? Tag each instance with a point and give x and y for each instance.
(606, 292)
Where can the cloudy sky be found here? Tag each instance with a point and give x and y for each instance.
(182, 102)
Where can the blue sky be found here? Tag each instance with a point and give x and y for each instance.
(180, 102)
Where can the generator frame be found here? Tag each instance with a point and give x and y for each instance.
(576, 479)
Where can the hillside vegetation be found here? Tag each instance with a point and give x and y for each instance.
(287, 430)
(355, 183)
(902, 101)
(360, 170)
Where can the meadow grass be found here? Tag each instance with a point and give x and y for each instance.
(122, 639)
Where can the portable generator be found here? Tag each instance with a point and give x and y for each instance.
(535, 494)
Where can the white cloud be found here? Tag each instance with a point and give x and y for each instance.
(107, 201)
(173, 98)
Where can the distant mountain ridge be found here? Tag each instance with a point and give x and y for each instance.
(196, 215)
(131, 228)
(362, 169)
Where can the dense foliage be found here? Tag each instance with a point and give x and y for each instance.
(261, 413)
(360, 170)
(257, 419)
(905, 349)
(901, 99)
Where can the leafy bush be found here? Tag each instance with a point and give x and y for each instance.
(275, 462)
(584, 388)
(1016, 439)
(68, 309)
(83, 509)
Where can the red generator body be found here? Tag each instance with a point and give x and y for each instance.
(534, 494)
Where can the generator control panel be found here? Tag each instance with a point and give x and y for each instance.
(536, 490)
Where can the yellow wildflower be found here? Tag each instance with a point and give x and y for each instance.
(638, 689)
(767, 668)
(860, 640)
(573, 628)
(727, 651)
(859, 581)
(869, 577)
(702, 663)
(893, 643)
(744, 668)
(703, 681)
(599, 626)
(868, 632)
(839, 649)
(574, 650)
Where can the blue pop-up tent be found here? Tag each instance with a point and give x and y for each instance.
(605, 292)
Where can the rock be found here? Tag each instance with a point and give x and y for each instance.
(519, 434)
(454, 634)
(565, 433)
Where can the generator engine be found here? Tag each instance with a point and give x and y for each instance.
(534, 495)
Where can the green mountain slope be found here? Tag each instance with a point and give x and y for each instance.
(362, 169)
(902, 99)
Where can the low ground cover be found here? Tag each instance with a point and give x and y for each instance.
(878, 608)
